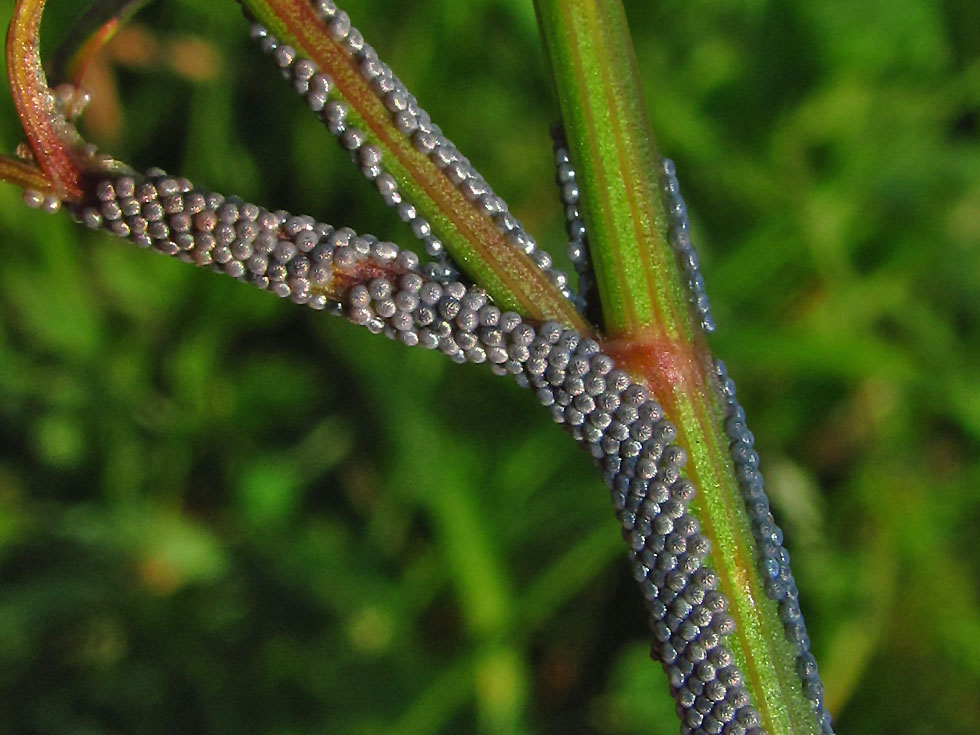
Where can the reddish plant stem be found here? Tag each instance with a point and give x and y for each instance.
(51, 138)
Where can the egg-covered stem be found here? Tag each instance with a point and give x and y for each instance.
(616, 419)
(656, 314)
(405, 148)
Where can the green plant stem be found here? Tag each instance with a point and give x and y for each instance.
(651, 324)
(615, 157)
(470, 236)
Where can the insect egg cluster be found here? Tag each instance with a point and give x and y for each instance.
(44, 202)
(288, 255)
(773, 558)
(624, 428)
(678, 231)
(413, 123)
(679, 235)
(315, 87)
(382, 288)
(578, 246)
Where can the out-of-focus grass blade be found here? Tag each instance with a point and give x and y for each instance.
(89, 34)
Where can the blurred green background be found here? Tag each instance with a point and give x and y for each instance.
(223, 513)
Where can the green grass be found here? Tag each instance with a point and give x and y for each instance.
(220, 512)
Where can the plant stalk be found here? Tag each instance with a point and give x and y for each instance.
(470, 236)
(653, 329)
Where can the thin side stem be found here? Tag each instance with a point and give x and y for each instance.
(470, 236)
(24, 175)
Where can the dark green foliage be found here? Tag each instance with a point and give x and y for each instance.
(220, 512)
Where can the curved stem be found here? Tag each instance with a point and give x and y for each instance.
(50, 136)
